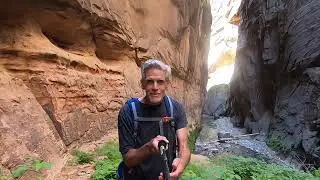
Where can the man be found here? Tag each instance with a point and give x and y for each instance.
(140, 150)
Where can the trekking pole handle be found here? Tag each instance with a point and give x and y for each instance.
(163, 147)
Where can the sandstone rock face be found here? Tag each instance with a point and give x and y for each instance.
(79, 61)
(276, 86)
(25, 128)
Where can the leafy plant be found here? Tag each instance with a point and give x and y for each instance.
(316, 172)
(238, 168)
(20, 170)
(207, 172)
(105, 158)
(106, 168)
(38, 165)
(275, 143)
(110, 149)
(31, 164)
(220, 168)
(83, 157)
(193, 135)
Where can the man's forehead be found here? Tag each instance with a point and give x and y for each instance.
(155, 78)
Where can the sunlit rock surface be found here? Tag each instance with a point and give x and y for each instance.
(72, 65)
(223, 42)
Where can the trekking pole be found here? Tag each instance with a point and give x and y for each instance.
(163, 147)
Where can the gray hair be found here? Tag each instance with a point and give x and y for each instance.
(154, 63)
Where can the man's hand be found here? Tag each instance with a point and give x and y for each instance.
(155, 142)
(135, 156)
(179, 165)
(176, 173)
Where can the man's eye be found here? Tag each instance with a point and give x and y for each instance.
(160, 82)
(150, 81)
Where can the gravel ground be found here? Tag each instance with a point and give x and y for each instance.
(248, 146)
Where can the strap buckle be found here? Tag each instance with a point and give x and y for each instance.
(166, 119)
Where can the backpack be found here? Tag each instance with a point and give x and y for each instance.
(133, 104)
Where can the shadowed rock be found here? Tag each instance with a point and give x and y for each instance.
(275, 85)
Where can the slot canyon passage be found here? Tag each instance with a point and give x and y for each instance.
(67, 67)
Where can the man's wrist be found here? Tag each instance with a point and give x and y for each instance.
(181, 167)
(148, 148)
(182, 164)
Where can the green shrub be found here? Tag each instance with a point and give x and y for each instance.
(208, 172)
(105, 158)
(316, 173)
(221, 168)
(110, 149)
(275, 143)
(31, 164)
(38, 165)
(238, 168)
(106, 168)
(193, 135)
(20, 170)
(83, 157)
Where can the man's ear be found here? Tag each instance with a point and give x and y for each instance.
(142, 84)
(167, 84)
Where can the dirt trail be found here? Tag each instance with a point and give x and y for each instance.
(64, 169)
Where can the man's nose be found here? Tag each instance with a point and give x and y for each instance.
(155, 85)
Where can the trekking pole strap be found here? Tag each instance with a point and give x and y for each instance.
(161, 128)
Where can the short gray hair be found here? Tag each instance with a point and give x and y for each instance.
(154, 63)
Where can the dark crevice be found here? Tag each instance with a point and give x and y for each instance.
(136, 59)
(48, 108)
(41, 94)
(58, 41)
(315, 62)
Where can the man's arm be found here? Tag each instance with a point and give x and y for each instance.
(184, 153)
(136, 156)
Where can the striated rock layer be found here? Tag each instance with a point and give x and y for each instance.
(275, 88)
(26, 128)
(72, 64)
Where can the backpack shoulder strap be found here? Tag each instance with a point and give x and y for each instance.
(120, 171)
(169, 106)
(134, 108)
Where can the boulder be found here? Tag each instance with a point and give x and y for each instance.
(216, 103)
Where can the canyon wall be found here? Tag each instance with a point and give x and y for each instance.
(275, 89)
(68, 66)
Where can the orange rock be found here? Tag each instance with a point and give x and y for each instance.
(72, 64)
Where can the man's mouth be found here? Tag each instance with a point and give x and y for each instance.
(154, 95)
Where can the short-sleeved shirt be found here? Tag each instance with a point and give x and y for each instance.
(151, 167)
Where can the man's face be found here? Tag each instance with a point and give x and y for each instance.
(155, 85)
